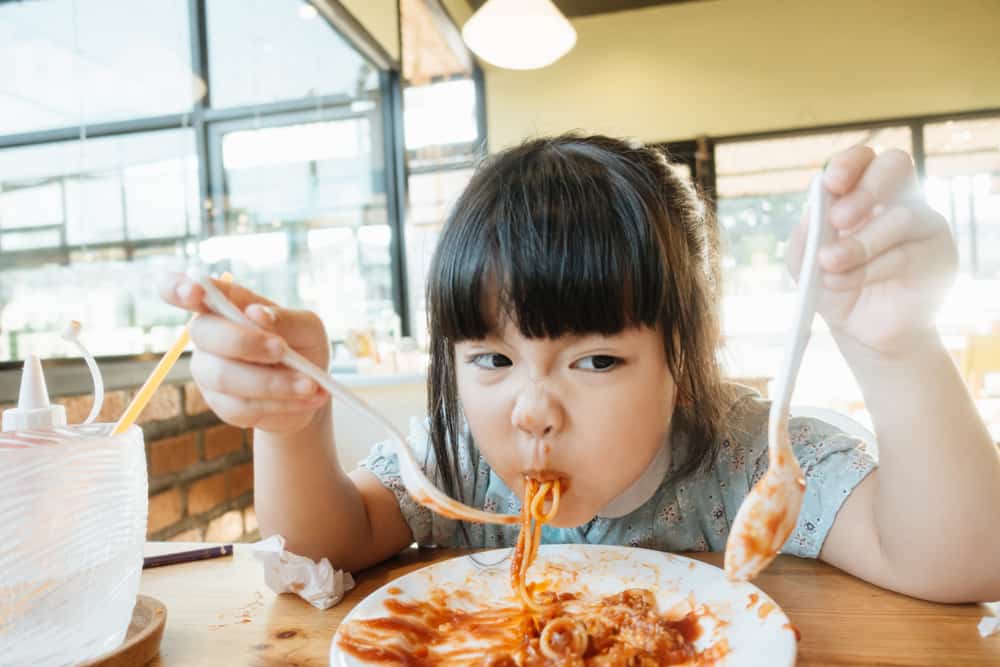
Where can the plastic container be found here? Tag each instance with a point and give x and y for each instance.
(73, 503)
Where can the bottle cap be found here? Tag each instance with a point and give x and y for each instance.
(33, 409)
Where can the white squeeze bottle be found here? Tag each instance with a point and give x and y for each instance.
(73, 502)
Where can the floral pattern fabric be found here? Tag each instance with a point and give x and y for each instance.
(693, 514)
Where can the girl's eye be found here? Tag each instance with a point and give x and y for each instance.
(600, 363)
(490, 361)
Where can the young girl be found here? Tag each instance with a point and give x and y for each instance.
(573, 332)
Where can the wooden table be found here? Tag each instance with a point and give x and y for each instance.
(220, 612)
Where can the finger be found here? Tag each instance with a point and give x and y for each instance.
(889, 264)
(846, 168)
(921, 264)
(301, 329)
(887, 177)
(180, 290)
(248, 413)
(899, 224)
(216, 335)
(254, 381)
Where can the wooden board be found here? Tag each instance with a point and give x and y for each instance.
(142, 641)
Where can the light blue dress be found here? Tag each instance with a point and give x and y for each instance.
(691, 515)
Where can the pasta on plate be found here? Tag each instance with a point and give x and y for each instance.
(537, 626)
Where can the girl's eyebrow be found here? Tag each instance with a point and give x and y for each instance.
(489, 337)
(578, 337)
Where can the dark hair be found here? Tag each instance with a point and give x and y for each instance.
(578, 235)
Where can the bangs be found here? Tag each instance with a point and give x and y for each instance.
(558, 240)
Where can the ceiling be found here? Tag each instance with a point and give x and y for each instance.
(428, 51)
(574, 8)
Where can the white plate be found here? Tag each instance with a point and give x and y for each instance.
(757, 630)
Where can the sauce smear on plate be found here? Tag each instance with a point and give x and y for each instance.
(621, 629)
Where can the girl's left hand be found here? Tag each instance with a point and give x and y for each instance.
(894, 258)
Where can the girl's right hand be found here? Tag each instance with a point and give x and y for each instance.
(237, 368)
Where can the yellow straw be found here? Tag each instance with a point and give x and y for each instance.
(156, 377)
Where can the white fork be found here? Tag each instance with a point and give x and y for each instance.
(419, 487)
(769, 512)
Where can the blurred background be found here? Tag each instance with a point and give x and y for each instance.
(313, 149)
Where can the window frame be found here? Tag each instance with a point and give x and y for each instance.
(915, 123)
(61, 253)
(203, 119)
(704, 170)
(276, 119)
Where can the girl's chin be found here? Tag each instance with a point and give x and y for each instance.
(568, 523)
(572, 517)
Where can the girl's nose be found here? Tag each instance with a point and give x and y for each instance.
(536, 412)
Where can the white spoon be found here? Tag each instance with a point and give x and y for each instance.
(419, 487)
(769, 512)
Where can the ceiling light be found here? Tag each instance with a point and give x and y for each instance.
(519, 34)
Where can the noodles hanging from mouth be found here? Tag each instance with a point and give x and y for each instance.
(533, 517)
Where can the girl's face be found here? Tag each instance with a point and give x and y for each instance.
(591, 410)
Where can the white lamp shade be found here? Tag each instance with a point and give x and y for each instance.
(519, 34)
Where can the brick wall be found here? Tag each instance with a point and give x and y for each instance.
(200, 470)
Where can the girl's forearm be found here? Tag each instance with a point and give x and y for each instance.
(303, 494)
(938, 498)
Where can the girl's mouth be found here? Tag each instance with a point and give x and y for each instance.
(544, 476)
(547, 475)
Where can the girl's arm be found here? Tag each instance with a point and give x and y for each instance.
(927, 522)
(303, 494)
(301, 491)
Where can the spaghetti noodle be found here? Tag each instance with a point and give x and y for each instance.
(533, 517)
(621, 630)
(547, 629)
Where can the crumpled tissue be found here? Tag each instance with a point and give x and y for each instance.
(318, 584)
(990, 625)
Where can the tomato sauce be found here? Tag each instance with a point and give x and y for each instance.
(621, 629)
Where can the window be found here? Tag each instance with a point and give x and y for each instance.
(305, 218)
(265, 51)
(442, 145)
(113, 170)
(113, 189)
(963, 183)
(432, 195)
(71, 214)
(761, 191)
(80, 62)
(441, 123)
